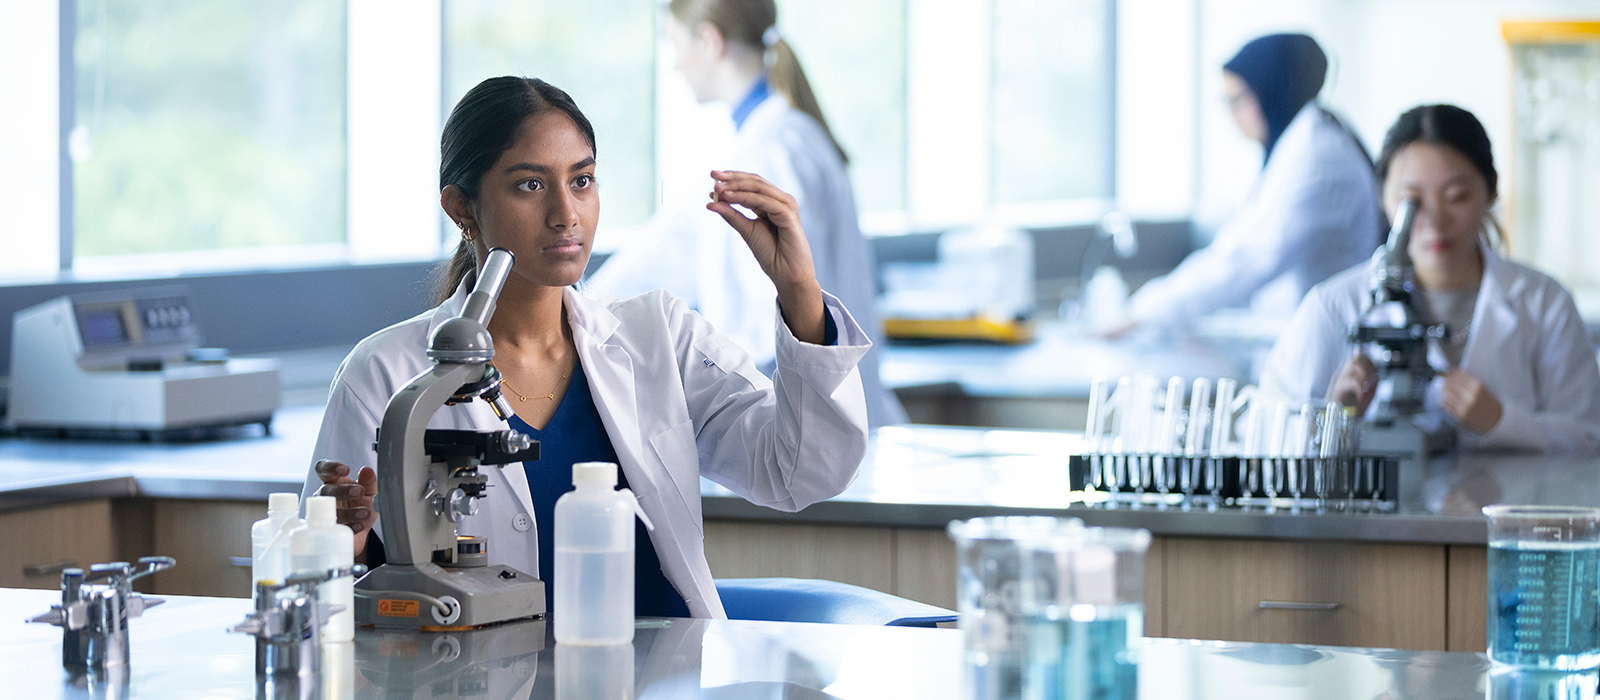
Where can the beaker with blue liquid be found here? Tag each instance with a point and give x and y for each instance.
(1544, 586)
(990, 554)
(1082, 593)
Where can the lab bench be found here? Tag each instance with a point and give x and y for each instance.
(1413, 578)
(180, 649)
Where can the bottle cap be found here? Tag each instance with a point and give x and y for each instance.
(283, 502)
(602, 474)
(320, 510)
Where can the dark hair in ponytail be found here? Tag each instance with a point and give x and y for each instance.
(480, 128)
(1447, 125)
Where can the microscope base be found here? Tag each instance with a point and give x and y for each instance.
(485, 595)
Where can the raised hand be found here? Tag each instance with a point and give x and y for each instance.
(1470, 402)
(778, 243)
(1356, 383)
(355, 508)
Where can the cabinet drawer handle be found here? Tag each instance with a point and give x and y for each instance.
(37, 570)
(1282, 605)
(240, 561)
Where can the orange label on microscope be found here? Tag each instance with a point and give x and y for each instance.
(398, 608)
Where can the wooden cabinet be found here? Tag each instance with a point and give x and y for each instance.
(37, 543)
(1467, 628)
(206, 537)
(863, 556)
(1332, 593)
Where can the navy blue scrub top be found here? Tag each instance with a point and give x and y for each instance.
(576, 434)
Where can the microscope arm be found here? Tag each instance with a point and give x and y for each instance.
(412, 529)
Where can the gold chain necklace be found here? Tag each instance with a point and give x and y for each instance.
(521, 398)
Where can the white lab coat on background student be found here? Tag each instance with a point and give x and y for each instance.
(1312, 212)
(1527, 344)
(692, 253)
(678, 401)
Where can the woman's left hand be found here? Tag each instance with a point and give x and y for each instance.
(778, 243)
(1469, 402)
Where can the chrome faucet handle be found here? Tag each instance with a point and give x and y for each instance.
(150, 565)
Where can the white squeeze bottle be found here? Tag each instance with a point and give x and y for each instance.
(321, 544)
(594, 558)
(269, 539)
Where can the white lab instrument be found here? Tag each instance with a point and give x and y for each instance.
(981, 288)
(129, 361)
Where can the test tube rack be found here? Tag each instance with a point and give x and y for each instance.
(1355, 482)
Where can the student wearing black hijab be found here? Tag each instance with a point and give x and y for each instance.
(1312, 212)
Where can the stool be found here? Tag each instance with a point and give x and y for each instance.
(816, 600)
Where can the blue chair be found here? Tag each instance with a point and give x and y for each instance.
(816, 600)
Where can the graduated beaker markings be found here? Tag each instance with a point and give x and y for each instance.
(1547, 603)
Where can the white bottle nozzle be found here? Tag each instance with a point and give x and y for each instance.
(638, 509)
(283, 503)
(321, 510)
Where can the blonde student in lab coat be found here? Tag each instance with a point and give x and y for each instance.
(1313, 210)
(1518, 370)
(730, 51)
(645, 382)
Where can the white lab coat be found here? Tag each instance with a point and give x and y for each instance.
(678, 401)
(1527, 344)
(694, 254)
(1312, 212)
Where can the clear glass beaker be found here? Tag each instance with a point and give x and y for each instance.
(989, 558)
(1544, 586)
(1083, 595)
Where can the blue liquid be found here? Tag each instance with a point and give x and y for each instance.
(1087, 652)
(1544, 604)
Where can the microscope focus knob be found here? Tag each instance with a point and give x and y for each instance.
(461, 505)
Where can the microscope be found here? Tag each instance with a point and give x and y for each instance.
(428, 481)
(1394, 334)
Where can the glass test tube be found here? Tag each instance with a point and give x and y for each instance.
(1123, 404)
(1194, 444)
(1167, 444)
(1116, 468)
(1222, 417)
(1165, 464)
(1097, 407)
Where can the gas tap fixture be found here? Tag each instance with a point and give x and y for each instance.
(287, 624)
(429, 483)
(95, 609)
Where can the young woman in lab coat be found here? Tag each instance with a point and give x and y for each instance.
(730, 51)
(644, 382)
(1313, 210)
(1518, 371)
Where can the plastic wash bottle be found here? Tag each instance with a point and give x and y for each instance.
(594, 558)
(321, 544)
(269, 539)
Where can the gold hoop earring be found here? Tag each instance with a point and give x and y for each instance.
(466, 234)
